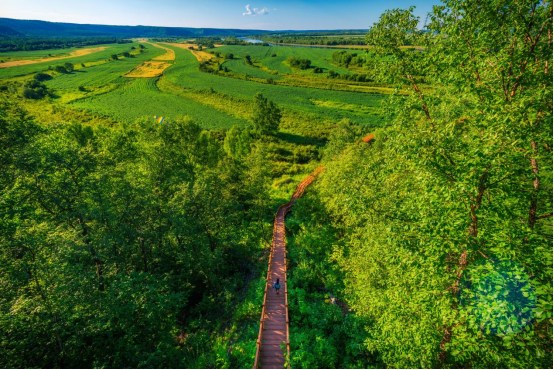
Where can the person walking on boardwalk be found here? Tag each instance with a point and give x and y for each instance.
(277, 285)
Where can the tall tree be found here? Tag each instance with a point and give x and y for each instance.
(450, 220)
(267, 115)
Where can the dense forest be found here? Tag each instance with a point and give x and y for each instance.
(439, 234)
(144, 244)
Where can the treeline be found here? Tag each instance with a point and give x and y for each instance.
(25, 43)
(312, 40)
(209, 42)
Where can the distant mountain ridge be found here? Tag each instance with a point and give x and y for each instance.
(33, 28)
(10, 27)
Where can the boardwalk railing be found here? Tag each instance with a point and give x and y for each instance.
(281, 213)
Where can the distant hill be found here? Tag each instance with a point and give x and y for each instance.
(10, 27)
(32, 28)
(6, 31)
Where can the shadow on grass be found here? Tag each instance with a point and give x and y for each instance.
(301, 140)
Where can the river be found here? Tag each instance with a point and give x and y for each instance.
(256, 41)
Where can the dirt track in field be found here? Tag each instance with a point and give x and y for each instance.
(154, 67)
(76, 53)
(200, 55)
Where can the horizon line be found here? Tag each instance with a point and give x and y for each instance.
(215, 28)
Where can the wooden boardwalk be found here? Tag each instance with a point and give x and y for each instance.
(273, 337)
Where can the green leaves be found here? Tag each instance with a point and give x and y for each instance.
(451, 188)
(266, 116)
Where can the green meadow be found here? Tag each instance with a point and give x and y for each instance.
(214, 100)
(39, 67)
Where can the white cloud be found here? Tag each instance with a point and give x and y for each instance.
(255, 11)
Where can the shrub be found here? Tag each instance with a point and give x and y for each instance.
(42, 76)
(34, 89)
(299, 62)
(60, 69)
(69, 67)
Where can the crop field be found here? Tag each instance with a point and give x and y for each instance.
(39, 67)
(39, 54)
(102, 74)
(76, 53)
(200, 55)
(169, 53)
(240, 66)
(154, 67)
(140, 97)
(173, 85)
(148, 69)
(185, 73)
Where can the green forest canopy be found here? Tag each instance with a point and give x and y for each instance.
(140, 245)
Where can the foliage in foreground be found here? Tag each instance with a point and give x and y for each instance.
(447, 218)
(121, 247)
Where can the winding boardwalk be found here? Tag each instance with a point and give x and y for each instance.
(273, 337)
(274, 323)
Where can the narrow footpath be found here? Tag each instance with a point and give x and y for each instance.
(273, 337)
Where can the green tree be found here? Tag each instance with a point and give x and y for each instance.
(60, 69)
(266, 116)
(448, 220)
(69, 67)
(237, 142)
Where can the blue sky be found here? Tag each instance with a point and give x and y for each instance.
(246, 14)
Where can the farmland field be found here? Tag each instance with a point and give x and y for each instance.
(140, 97)
(38, 67)
(174, 85)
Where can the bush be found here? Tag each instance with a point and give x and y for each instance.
(114, 57)
(299, 62)
(82, 88)
(60, 69)
(229, 56)
(42, 77)
(318, 70)
(34, 89)
(69, 67)
(273, 55)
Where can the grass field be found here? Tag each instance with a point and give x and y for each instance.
(102, 74)
(39, 67)
(140, 97)
(213, 100)
(76, 53)
(154, 67)
(185, 73)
